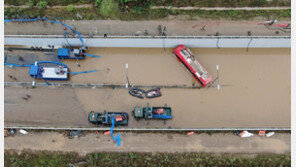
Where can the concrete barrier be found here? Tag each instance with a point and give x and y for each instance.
(154, 42)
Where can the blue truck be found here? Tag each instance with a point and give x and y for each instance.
(58, 72)
(70, 53)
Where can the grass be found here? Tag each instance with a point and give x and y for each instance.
(177, 3)
(48, 159)
(221, 3)
(49, 2)
(90, 13)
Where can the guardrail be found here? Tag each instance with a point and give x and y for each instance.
(156, 42)
(93, 86)
(152, 37)
(148, 129)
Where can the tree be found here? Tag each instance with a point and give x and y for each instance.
(97, 2)
(42, 4)
(70, 8)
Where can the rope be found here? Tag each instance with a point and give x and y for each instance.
(17, 65)
(249, 44)
(117, 139)
(82, 72)
(217, 43)
(67, 40)
(86, 54)
(40, 62)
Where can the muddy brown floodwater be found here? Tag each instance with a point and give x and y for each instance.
(255, 86)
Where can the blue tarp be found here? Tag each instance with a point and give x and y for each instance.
(34, 70)
(63, 52)
(162, 116)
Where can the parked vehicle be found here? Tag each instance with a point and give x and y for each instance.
(121, 118)
(148, 112)
(153, 93)
(137, 92)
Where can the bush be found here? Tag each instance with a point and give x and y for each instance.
(30, 4)
(70, 8)
(42, 4)
(97, 2)
(108, 8)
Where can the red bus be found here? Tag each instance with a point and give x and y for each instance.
(190, 62)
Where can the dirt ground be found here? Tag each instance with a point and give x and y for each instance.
(133, 142)
(250, 96)
(174, 26)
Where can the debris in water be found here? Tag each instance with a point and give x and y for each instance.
(269, 134)
(261, 133)
(190, 133)
(24, 98)
(22, 131)
(245, 134)
(107, 133)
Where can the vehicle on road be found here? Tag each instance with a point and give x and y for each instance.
(57, 72)
(148, 112)
(121, 118)
(190, 62)
(70, 53)
(137, 92)
(153, 93)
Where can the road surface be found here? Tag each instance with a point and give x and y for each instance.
(133, 142)
(175, 25)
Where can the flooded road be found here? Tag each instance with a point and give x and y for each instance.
(255, 88)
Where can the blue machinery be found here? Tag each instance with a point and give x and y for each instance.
(55, 73)
(63, 53)
(59, 72)
(49, 73)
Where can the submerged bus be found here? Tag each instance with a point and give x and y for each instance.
(195, 68)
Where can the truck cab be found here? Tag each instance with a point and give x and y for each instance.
(69, 53)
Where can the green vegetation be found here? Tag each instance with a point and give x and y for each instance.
(107, 10)
(70, 8)
(222, 3)
(141, 9)
(176, 3)
(97, 2)
(42, 4)
(53, 159)
(49, 2)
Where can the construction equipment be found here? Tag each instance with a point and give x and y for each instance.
(121, 118)
(59, 72)
(69, 53)
(148, 112)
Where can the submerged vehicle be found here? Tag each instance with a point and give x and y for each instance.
(70, 53)
(57, 72)
(137, 92)
(148, 112)
(185, 56)
(121, 118)
(153, 93)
